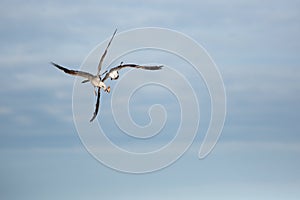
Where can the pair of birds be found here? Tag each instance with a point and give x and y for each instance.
(97, 81)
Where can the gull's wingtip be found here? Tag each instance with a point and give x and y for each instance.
(91, 120)
(54, 64)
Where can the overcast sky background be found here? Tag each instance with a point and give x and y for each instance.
(256, 47)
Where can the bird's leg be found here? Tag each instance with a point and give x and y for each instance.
(95, 91)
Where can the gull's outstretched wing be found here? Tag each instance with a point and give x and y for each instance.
(153, 67)
(74, 72)
(104, 54)
(97, 105)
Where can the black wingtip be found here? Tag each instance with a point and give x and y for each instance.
(56, 65)
(97, 105)
(94, 114)
(93, 118)
(52, 63)
(68, 71)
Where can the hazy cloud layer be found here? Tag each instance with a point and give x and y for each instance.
(255, 44)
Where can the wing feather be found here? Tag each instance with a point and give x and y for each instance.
(151, 67)
(119, 67)
(104, 54)
(74, 72)
(97, 105)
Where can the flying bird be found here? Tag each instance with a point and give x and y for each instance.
(113, 73)
(96, 79)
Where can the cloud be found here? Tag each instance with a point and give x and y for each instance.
(5, 110)
(263, 146)
(276, 83)
(254, 43)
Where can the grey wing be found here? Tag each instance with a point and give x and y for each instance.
(74, 72)
(104, 54)
(153, 67)
(97, 106)
(150, 67)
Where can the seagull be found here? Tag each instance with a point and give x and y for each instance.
(113, 73)
(96, 79)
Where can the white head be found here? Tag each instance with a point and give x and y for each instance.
(114, 75)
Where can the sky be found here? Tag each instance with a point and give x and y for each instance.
(255, 45)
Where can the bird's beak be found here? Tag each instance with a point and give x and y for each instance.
(108, 89)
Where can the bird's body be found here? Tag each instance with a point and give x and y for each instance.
(97, 81)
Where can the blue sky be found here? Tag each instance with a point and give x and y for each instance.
(255, 45)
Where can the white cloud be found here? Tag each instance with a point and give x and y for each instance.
(5, 110)
(263, 146)
(58, 111)
(23, 120)
(42, 81)
(263, 84)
